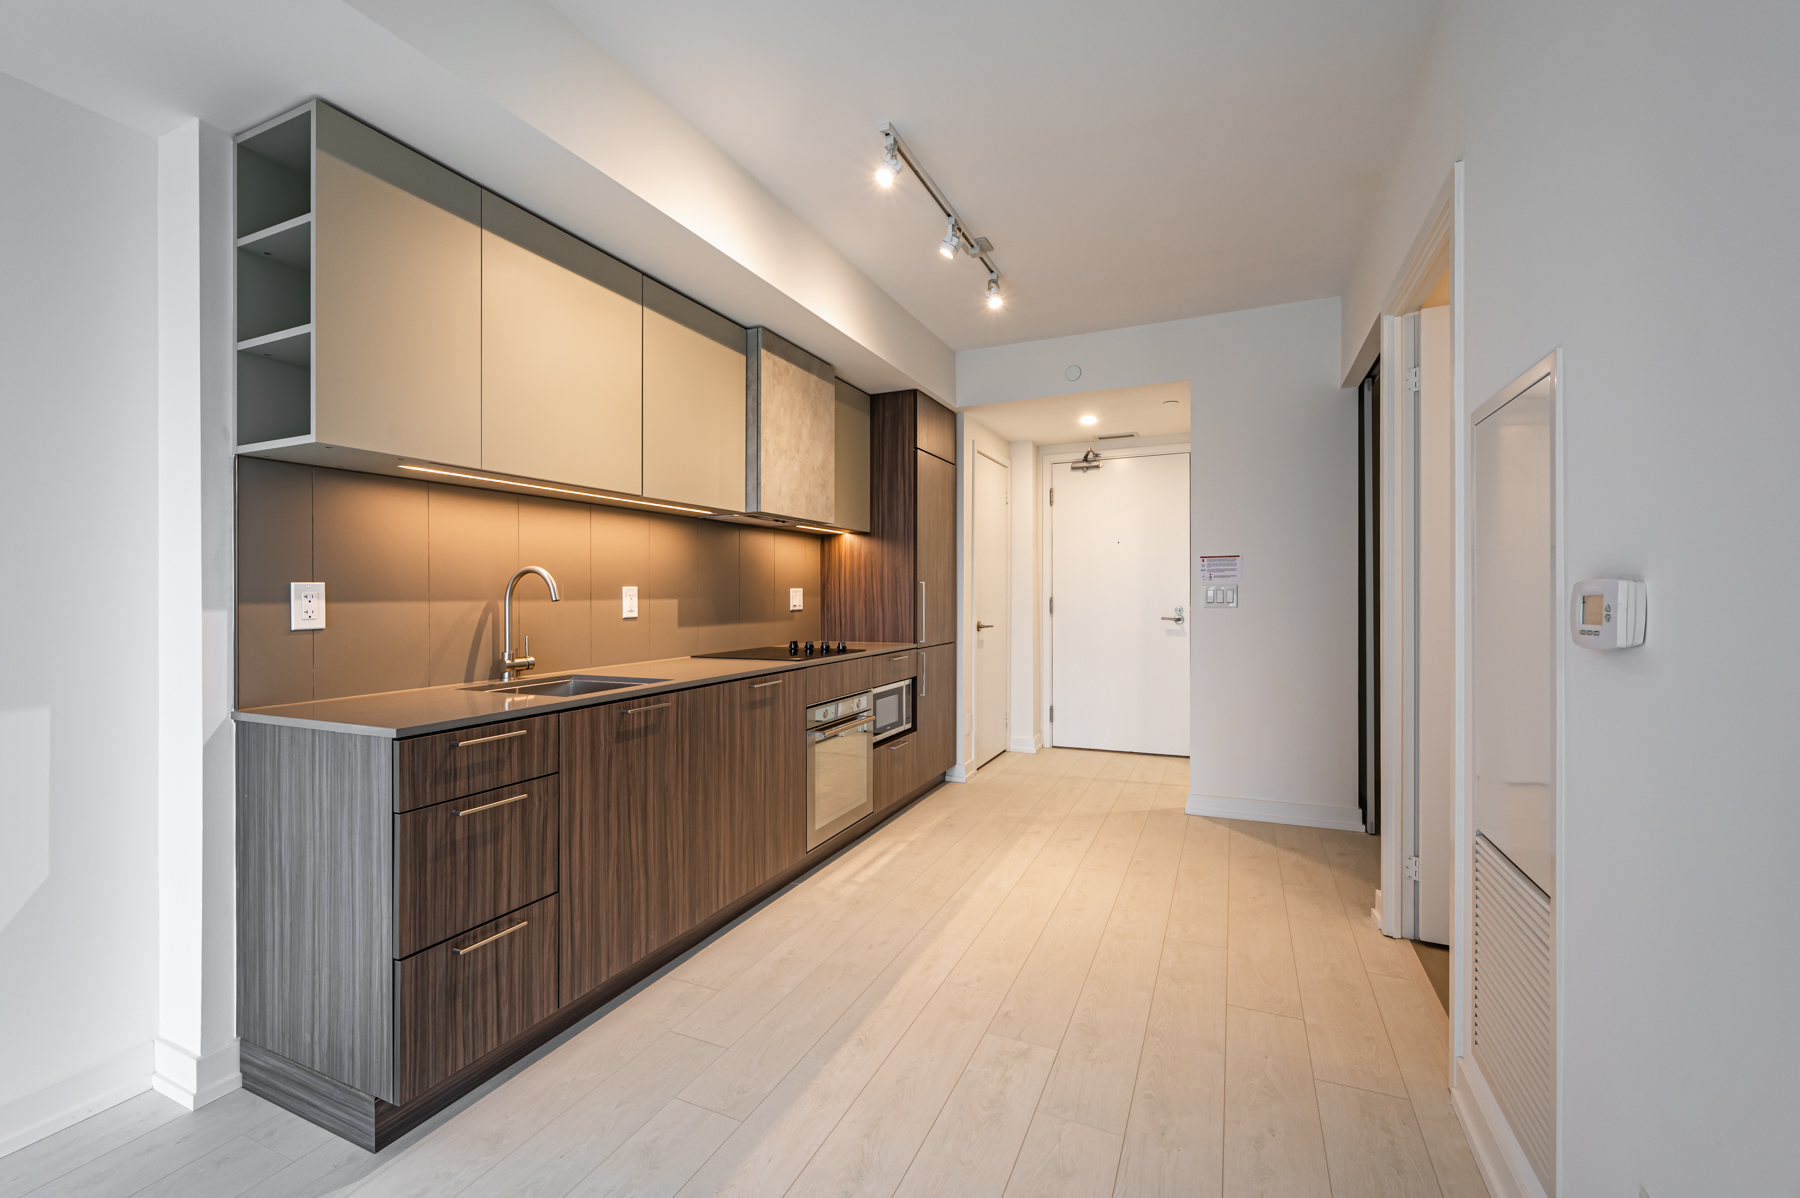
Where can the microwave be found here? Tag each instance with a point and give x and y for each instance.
(893, 705)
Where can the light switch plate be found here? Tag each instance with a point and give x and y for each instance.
(1218, 596)
(796, 598)
(628, 598)
(306, 606)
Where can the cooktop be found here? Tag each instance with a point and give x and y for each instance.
(792, 651)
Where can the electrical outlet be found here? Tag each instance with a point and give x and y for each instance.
(796, 598)
(628, 600)
(306, 606)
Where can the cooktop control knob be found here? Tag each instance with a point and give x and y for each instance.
(794, 647)
(809, 648)
(843, 648)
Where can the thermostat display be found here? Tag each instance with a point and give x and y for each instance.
(1608, 613)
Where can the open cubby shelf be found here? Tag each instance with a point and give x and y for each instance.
(289, 243)
(274, 282)
(293, 346)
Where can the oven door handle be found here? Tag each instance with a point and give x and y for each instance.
(840, 729)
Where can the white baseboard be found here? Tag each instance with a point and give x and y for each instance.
(957, 773)
(65, 1103)
(1497, 1153)
(1025, 744)
(195, 1081)
(1276, 811)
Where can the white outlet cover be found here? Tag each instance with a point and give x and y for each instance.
(628, 602)
(796, 598)
(306, 606)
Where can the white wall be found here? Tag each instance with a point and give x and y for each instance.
(1630, 180)
(1274, 479)
(78, 664)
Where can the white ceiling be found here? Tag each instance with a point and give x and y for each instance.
(1132, 162)
(1153, 411)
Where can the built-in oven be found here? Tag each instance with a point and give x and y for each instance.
(893, 708)
(840, 743)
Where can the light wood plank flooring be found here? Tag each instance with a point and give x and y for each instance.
(1050, 980)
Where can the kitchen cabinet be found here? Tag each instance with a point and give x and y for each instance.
(359, 304)
(633, 859)
(839, 678)
(468, 861)
(898, 583)
(752, 764)
(694, 395)
(852, 437)
(896, 770)
(562, 342)
(790, 419)
(934, 713)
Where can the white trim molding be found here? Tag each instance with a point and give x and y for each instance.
(1496, 1150)
(30, 1118)
(1025, 744)
(1277, 811)
(193, 1081)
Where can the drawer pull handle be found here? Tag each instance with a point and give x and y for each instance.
(652, 707)
(760, 685)
(494, 804)
(482, 740)
(461, 952)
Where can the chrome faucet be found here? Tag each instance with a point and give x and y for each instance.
(518, 665)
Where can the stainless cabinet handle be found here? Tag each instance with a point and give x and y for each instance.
(482, 740)
(902, 657)
(756, 686)
(652, 707)
(921, 611)
(921, 675)
(494, 804)
(502, 932)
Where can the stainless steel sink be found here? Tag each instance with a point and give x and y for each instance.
(568, 687)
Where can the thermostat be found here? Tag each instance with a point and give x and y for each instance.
(1607, 613)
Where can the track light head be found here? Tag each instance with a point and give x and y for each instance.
(994, 299)
(891, 164)
(952, 239)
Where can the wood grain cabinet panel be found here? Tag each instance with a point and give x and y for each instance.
(764, 784)
(840, 678)
(468, 996)
(471, 860)
(627, 843)
(453, 764)
(895, 767)
(934, 713)
(936, 555)
(562, 337)
(935, 428)
(892, 667)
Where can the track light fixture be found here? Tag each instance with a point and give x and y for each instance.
(895, 159)
(891, 164)
(953, 240)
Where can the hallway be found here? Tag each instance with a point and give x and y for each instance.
(1050, 980)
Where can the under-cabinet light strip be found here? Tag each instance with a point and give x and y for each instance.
(836, 532)
(512, 482)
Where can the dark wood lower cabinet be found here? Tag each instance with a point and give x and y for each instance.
(761, 785)
(896, 771)
(455, 1003)
(934, 712)
(470, 860)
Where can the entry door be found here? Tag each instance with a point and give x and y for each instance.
(993, 486)
(1119, 590)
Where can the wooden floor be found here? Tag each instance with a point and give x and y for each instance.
(1050, 980)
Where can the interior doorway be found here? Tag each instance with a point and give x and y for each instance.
(1119, 605)
(993, 636)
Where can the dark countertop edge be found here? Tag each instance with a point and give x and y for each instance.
(731, 670)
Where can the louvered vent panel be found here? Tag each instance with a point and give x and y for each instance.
(1515, 1003)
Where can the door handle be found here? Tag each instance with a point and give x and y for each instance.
(979, 626)
(1178, 618)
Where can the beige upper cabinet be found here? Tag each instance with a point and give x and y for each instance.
(397, 299)
(694, 374)
(852, 458)
(562, 335)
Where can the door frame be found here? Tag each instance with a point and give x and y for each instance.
(975, 604)
(1053, 455)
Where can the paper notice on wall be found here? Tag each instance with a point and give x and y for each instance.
(1226, 567)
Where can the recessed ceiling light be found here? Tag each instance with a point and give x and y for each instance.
(1090, 420)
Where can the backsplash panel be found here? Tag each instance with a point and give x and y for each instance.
(414, 572)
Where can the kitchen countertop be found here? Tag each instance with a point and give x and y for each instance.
(444, 708)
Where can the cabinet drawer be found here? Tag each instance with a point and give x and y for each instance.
(838, 679)
(895, 767)
(470, 860)
(453, 764)
(892, 667)
(456, 1003)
